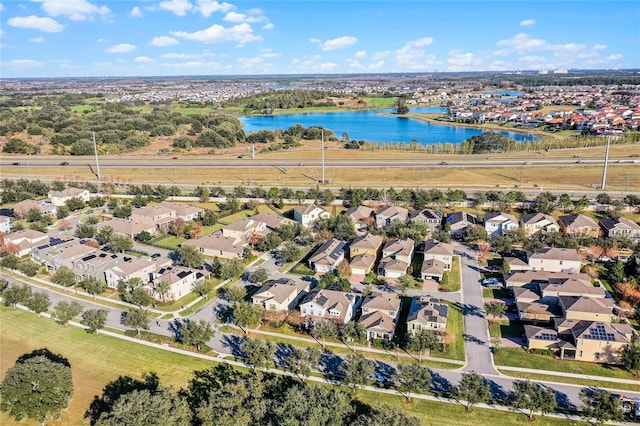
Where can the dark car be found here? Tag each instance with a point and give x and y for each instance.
(15, 163)
(64, 163)
(155, 255)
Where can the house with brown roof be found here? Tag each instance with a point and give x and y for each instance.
(272, 220)
(437, 250)
(520, 278)
(362, 264)
(59, 198)
(389, 214)
(159, 216)
(427, 313)
(555, 259)
(368, 243)
(280, 295)
(21, 208)
(361, 216)
(620, 228)
(497, 223)
(432, 269)
(578, 225)
(183, 211)
(218, 245)
(396, 258)
(336, 306)
(243, 229)
(538, 223)
(587, 308)
(22, 242)
(136, 267)
(327, 257)
(309, 214)
(128, 228)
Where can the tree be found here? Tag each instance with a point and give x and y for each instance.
(139, 296)
(357, 371)
(144, 237)
(616, 272)
(385, 415)
(93, 286)
(232, 268)
(545, 202)
(495, 309)
(209, 218)
(423, 340)
(412, 378)
(603, 198)
(532, 397)
(259, 353)
(290, 252)
(162, 406)
(84, 230)
(564, 203)
(599, 406)
(203, 288)
(64, 277)
(121, 243)
(301, 362)
(15, 294)
(235, 294)
(36, 387)
(354, 331)
(471, 390)
(94, 319)
(324, 329)
(196, 334)
(189, 256)
(66, 311)
(137, 319)
(38, 302)
(246, 314)
(260, 275)
(404, 283)
(163, 288)
(631, 358)
(474, 233)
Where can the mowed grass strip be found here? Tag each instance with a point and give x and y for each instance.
(95, 360)
(572, 380)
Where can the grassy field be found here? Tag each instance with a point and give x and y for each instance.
(572, 380)
(455, 327)
(452, 277)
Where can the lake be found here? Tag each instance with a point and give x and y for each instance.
(371, 126)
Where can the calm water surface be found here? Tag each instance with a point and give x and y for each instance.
(371, 126)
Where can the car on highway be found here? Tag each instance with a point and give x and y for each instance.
(634, 155)
(64, 163)
(576, 156)
(528, 163)
(15, 163)
(579, 162)
(155, 255)
(174, 158)
(443, 163)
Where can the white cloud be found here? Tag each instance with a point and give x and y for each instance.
(327, 66)
(599, 47)
(23, 63)
(143, 59)
(37, 40)
(162, 41)
(361, 54)
(413, 56)
(207, 7)
(268, 26)
(33, 22)
(136, 12)
(178, 7)
(527, 22)
(101, 40)
(241, 34)
(76, 10)
(459, 61)
(193, 64)
(121, 48)
(522, 43)
(376, 66)
(1, 7)
(237, 18)
(335, 43)
(382, 54)
(615, 57)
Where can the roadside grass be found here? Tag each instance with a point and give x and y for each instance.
(176, 304)
(571, 380)
(495, 293)
(243, 214)
(302, 269)
(452, 279)
(95, 360)
(502, 328)
(518, 357)
(171, 242)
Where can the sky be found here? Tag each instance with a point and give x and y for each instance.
(86, 38)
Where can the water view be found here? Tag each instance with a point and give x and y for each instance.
(371, 126)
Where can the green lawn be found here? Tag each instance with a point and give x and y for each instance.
(572, 380)
(171, 242)
(455, 328)
(82, 108)
(452, 278)
(495, 293)
(381, 103)
(504, 329)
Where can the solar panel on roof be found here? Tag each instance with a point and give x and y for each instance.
(599, 332)
(546, 336)
(322, 300)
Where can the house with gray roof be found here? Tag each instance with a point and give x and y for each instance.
(281, 295)
(218, 245)
(554, 259)
(327, 257)
(459, 221)
(427, 313)
(389, 214)
(309, 214)
(336, 306)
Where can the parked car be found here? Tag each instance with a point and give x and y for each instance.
(155, 255)
(491, 282)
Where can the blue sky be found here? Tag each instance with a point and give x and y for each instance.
(58, 38)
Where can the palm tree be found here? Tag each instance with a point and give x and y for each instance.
(163, 288)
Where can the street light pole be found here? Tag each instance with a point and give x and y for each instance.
(95, 149)
(323, 156)
(606, 161)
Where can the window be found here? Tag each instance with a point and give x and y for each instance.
(596, 355)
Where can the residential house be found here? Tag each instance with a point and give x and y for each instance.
(217, 245)
(520, 278)
(327, 257)
(587, 308)
(437, 250)
(361, 216)
(459, 221)
(183, 211)
(362, 264)
(620, 228)
(21, 209)
(22, 242)
(497, 224)
(309, 214)
(127, 227)
(181, 280)
(427, 313)
(578, 225)
(368, 243)
(396, 258)
(94, 265)
(5, 224)
(59, 198)
(516, 264)
(555, 259)
(159, 216)
(272, 221)
(244, 229)
(332, 305)
(431, 218)
(140, 268)
(64, 254)
(389, 214)
(538, 223)
(432, 269)
(379, 315)
(282, 294)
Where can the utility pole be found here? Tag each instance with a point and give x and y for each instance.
(606, 161)
(95, 149)
(322, 156)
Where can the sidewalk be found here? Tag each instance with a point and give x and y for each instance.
(573, 375)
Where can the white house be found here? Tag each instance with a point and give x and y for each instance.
(555, 260)
(437, 250)
(5, 224)
(22, 242)
(280, 295)
(309, 214)
(181, 281)
(496, 223)
(333, 305)
(59, 198)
